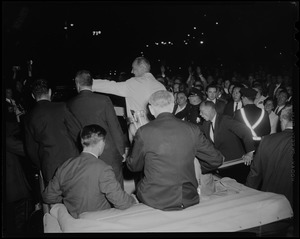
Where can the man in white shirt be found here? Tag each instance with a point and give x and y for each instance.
(136, 90)
(269, 106)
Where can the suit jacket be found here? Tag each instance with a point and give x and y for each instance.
(85, 183)
(253, 113)
(231, 137)
(220, 106)
(165, 149)
(273, 165)
(228, 109)
(94, 108)
(47, 136)
(191, 114)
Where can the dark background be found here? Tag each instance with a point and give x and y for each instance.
(35, 30)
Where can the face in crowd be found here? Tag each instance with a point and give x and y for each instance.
(212, 93)
(194, 99)
(269, 106)
(282, 98)
(236, 94)
(8, 93)
(181, 99)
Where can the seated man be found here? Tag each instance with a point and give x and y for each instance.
(86, 183)
(164, 149)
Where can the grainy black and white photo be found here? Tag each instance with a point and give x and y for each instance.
(169, 117)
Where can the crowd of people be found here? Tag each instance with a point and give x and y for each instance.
(79, 145)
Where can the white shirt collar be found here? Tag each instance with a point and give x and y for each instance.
(212, 100)
(214, 120)
(280, 107)
(90, 153)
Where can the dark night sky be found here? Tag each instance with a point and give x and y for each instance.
(246, 33)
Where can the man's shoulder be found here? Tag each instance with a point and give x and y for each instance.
(89, 95)
(221, 101)
(270, 138)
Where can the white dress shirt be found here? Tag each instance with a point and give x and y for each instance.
(273, 122)
(211, 130)
(240, 105)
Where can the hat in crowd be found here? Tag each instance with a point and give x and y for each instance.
(195, 91)
(248, 92)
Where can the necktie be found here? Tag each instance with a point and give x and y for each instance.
(236, 106)
(211, 132)
(277, 109)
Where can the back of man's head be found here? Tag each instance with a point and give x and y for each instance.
(84, 78)
(142, 61)
(208, 104)
(161, 98)
(91, 134)
(40, 88)
(161, 101)
(287, 113)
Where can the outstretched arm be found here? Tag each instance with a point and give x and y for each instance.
(110, 87)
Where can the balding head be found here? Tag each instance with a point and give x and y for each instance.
(140, 66)
(207, 110)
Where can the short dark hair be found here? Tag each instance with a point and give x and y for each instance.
(92, 134)
(237, 85)
(285, 92)
(213, 85)
(269, 99)
(84, 78)
(39, 88)
(182, 92)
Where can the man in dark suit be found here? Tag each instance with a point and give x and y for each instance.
(165, 150)
(236, 103)
(256, 119)
(272, 167)
(232, 138)
(181, 106)
(212, 93)
(94, 108)
(93, 185)
(47, 131)
(228, 135)
(281, 104)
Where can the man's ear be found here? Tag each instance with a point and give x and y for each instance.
(151, 110)
(171, 107)
(50, 93)
(32, 95)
